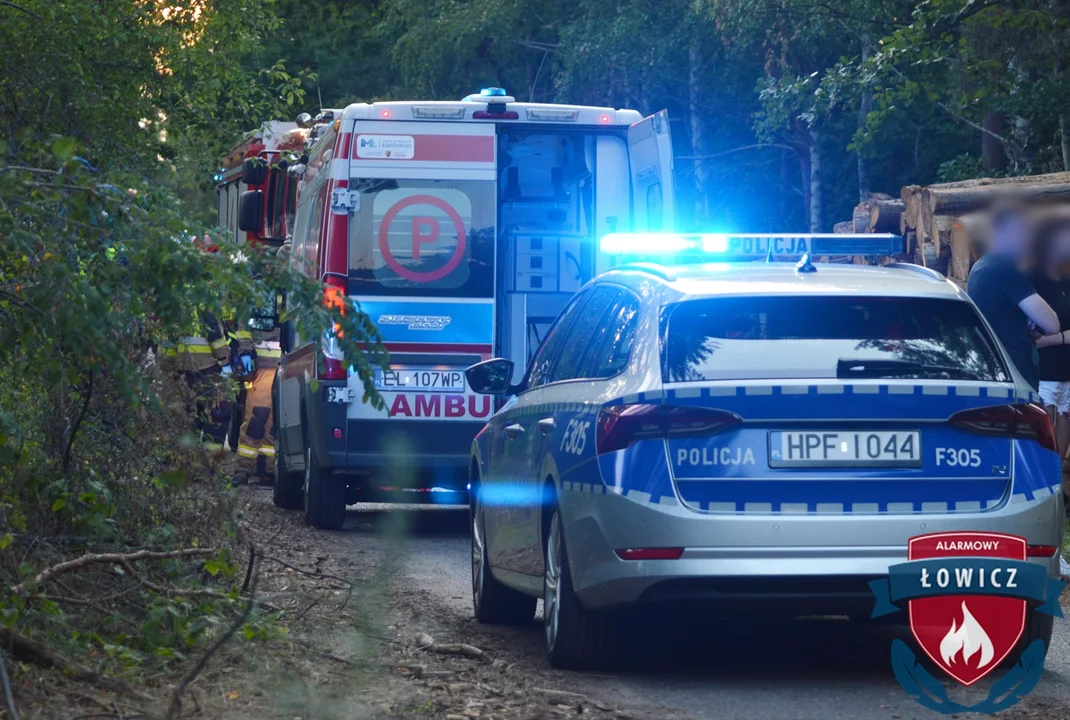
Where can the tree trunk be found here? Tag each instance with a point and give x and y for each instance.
(816, 189)
(991, 147)
(864, 107)
(699, 135)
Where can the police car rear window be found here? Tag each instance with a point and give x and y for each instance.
(827, 337)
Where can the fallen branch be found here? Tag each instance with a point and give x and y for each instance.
(456, 649)
(116, 558)
(34, 652)
(175, 708)
(72, 601)
(310, 573)
(570, 696)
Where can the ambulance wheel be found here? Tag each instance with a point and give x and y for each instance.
(325, 500)
(493, 602)
(287, 487)
(576, 638)
(1038, 625)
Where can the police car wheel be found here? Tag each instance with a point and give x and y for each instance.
(493, 602)
(576, 638)
(1038, 625)
(287, 486)
(325, 502)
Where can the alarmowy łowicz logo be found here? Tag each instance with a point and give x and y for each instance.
(971, 598)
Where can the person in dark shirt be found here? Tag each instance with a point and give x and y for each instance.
(1005, 296)
(1051, 279)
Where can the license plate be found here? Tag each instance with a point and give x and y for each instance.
(341, 394)
(875, 448)
(420, 380)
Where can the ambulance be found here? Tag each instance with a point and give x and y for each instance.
(462, 228)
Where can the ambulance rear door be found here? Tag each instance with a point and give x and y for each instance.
(653, 191)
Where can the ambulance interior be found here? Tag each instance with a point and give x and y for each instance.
(558, 193)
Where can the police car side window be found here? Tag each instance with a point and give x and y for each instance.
(613, 345)
(577, 348)
(543, 362)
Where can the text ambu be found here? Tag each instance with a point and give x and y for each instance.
(440, 405)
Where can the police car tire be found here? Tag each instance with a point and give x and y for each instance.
(1038, 625)
(325, 500)
(495, 603)
(586, 639)
(287, 487)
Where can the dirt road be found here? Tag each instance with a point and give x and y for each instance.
(687, 668)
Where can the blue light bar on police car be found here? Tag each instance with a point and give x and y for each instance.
(732, 246)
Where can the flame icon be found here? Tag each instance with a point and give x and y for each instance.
(969, 638)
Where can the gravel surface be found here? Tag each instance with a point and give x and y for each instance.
(688, 667)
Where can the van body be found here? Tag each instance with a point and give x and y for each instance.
(462, 229)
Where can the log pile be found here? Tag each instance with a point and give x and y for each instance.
(942, 223)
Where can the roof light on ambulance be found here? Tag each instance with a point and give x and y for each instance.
(552, 115)
(604, 118)
(385, 114)
(436, 112)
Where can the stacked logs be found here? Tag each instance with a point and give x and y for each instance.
(942, 223)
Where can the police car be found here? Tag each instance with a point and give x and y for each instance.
(759, 436)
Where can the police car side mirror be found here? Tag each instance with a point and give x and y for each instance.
(490, 377)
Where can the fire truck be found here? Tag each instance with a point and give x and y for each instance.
(257, 198)
(257, 183)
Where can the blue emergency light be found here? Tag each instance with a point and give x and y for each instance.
(493, 92)
(725, 246)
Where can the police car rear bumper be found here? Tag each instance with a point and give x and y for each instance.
(823, 560)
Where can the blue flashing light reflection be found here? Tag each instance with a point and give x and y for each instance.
(644, 243)
(506, 494)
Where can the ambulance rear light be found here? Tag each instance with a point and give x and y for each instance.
(334, 296)
(552, 115)
(437, 112)
(726, 246)
(619, 426)
(488, 115)
(1023, 421)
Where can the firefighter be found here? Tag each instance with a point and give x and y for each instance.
(200, 358)
(256, 440)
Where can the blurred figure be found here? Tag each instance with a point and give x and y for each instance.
(1000, 287)
(1052, 282)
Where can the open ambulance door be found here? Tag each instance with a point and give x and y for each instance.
(653, 192)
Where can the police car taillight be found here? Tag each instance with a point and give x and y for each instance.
(621, 425)
(1024, 421)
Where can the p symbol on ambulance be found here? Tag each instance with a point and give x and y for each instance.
(426, 230)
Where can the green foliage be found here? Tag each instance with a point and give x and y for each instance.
(113, 117)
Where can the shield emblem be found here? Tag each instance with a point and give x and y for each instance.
(968, 636)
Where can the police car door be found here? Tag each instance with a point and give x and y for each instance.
(653, 191)
(512, 522)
